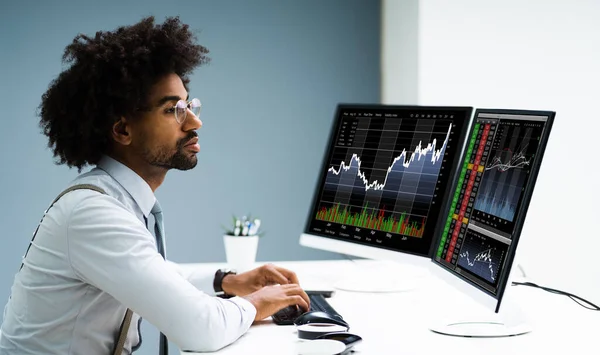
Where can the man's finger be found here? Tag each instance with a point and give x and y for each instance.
(289, 275)
(306, 298)
(293, 289)
(274, 275)
(298, 300)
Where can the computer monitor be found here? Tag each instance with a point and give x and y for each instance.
(483, 218)
(386, 173)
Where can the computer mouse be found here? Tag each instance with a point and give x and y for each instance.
(319, 317)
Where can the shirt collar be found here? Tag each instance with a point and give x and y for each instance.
(137, 187)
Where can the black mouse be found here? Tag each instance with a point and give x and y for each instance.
(320, 317)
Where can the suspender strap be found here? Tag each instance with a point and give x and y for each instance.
(128, 315)
(78, 187)
(123, 333)
(72, 188)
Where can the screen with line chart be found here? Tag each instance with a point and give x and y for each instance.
(385, 175)
(491, 194)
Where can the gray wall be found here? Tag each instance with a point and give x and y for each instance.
(278, 69)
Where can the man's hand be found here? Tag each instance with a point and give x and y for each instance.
(254, 280)
(271, 299)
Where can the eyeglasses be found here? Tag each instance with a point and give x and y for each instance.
(181, 109)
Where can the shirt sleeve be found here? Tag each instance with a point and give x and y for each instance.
(202, 279)
(112, 250)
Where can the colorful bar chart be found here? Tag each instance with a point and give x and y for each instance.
(369, 218)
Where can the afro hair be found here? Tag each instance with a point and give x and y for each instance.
(109, 76)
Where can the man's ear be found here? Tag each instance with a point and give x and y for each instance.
(121, 131)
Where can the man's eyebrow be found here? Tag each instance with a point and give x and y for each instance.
(166, 99)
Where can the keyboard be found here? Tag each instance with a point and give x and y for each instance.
(319, 303)
(287, 315)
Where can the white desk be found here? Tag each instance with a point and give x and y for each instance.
(397, 323)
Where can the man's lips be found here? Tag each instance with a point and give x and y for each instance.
(192, 141)
(193, 145)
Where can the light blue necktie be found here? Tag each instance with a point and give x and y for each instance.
(159, 233)
(159, 229)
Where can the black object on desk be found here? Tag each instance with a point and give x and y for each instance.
(348, 339)
(320, 318)
(287, 315)
(318, 304)
(324, 293)
(340, 343)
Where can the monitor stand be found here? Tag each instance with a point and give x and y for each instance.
(510, 321)
(381, 276)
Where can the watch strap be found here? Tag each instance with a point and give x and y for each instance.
(218, 281)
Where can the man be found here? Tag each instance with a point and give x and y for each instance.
(123, 107)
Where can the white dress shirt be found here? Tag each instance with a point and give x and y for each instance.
(93, 257)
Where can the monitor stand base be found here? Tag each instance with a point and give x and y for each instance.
(509, 322)
(481, 329)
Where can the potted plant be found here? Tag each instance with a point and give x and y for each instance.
(241, 242)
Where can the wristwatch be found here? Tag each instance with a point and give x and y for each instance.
(218, 282)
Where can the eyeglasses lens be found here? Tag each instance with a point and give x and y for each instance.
(180, 111)
(195, 106)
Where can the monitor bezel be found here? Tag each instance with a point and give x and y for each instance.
(362, 249)
(462, 283)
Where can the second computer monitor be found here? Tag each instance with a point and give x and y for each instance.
(383, 180)
(486, 210)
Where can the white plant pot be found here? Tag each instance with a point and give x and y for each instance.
(240, 252)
